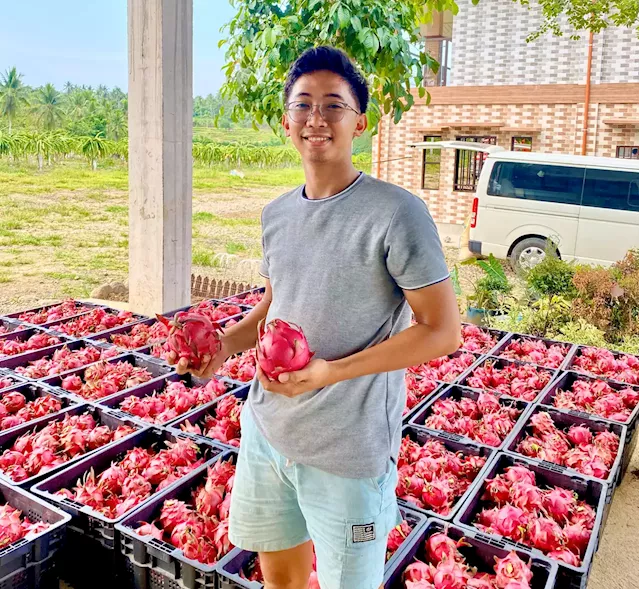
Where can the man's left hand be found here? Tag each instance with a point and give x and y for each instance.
(315, 375)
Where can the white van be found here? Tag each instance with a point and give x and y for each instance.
(588, 206)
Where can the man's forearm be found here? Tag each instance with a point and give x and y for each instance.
(415, 345)
(244, 334)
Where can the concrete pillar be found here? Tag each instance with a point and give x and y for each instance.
(160, 36)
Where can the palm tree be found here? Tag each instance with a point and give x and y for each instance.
(116, 125)
(13, 93)
(48, 107)
(95, 147)
(68, 87)
(78, 103)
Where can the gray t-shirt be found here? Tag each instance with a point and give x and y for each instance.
(337, 266)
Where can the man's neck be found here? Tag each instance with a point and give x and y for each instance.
(325, 180)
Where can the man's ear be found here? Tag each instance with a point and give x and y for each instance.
(361, 125)
(285, 124)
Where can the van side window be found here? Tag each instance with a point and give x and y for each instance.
(611, 189)
(531, 181)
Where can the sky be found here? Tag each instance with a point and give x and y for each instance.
(86, 42)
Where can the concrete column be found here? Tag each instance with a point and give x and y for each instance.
(160, 163)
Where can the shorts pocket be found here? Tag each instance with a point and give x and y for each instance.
(380, 483)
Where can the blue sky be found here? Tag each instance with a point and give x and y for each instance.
(86, 42)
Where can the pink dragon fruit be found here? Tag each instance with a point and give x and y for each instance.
(281, 347)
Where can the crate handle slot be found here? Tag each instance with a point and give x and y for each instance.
(162, 546)
(13, 546)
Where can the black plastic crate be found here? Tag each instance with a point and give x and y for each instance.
(565, 381)
(501, 347)
(593, 491)
(54, 326)
(11, 325)
(407, 417)
(12, 377)
(36, 575)
(464, 446)
(577, 352)
(154, 564)
(31, 391)
(157, 371)
(457, 392)
(501, 363)
(104, 339)
(11, 363)
(230, 566)
(242, 295)
(89, 308)
(498, 334)
(479, 553)
(42, 546)
(565, 421)
(156, 386)
(102, 417)
(197, 416)
(25, 334)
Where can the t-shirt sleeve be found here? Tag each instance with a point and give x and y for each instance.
(414, 253)
(264, 265)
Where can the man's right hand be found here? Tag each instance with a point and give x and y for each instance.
(208, 366)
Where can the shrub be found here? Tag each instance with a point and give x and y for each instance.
(552, 276)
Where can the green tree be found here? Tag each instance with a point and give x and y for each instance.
(94, 148)
(47, 107)
(116, 125)
(12, 94)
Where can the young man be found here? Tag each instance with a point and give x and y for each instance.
(346, 257)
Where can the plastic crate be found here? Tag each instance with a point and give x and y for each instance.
(40, 547)
(242, 295)
(498, 334)
(36, 575)
(102, 417)
(407, 417)
(565, 421)
(16, 380)
(501, 363)
(464, 446)
(230, 566)
(578, 350)
(197, 415)
(11, 325)
(31, 391)
(85, 519)
(593, 491)
(25, 334)
(480, 553)
(478, 359)
(565, 381)
(457, 392)
(96, 338)
(157, 372)
(89, 306)
(12, 362)
(54, 326)
(500, 348)
(156, 386)
(154, 564)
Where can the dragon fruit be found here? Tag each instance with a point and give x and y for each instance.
(63, 310)
(95, 321)
(523, 381)
(281, 347)
(511, 568)
(241, 367)
(192, 335)
(12, 347)
(224, 426)
(63, 360)
(15, 410)
(476, 339)
(444, 368)
(536, 351)
(601, 362)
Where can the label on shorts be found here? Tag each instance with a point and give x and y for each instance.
(363, 533)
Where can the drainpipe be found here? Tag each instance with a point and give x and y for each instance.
(379, 156)
(587, 97)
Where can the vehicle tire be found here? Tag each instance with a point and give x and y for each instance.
(528, 253)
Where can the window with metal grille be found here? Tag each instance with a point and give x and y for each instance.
(521, 143)
(627, 152)
(431, 165)
(469, 163)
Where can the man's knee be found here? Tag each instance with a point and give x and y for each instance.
(287, 569)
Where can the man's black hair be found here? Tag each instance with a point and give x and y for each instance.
(333, 60)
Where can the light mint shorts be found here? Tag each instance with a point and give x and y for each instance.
(277, 504)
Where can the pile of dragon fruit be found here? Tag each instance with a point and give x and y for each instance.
(134, 478)
(4, 329)
(598, 398)
(251, 299)
(174, 400)
(602, 362)
(486, 420)
(241, 367)
(446, 568)
(475, 339)
(102, 379)
(215, 311)
(432, 477)
(6, 382)
(578, 448)
(139, 335)
(536, 351)
(224, 427)
(445, 368)
(200, 526)
(94, 322)
(67, 308)
(56, 443)
(15, 410)
(522, 381)
(12, 347)
(554, 520)
(14, 527)
(64, 360)
(418, 389)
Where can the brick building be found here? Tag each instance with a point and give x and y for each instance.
(495, 87)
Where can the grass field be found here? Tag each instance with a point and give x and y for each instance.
(64, 231)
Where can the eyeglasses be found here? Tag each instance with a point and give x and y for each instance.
(331, 112)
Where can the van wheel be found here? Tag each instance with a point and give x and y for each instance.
(528, 253)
